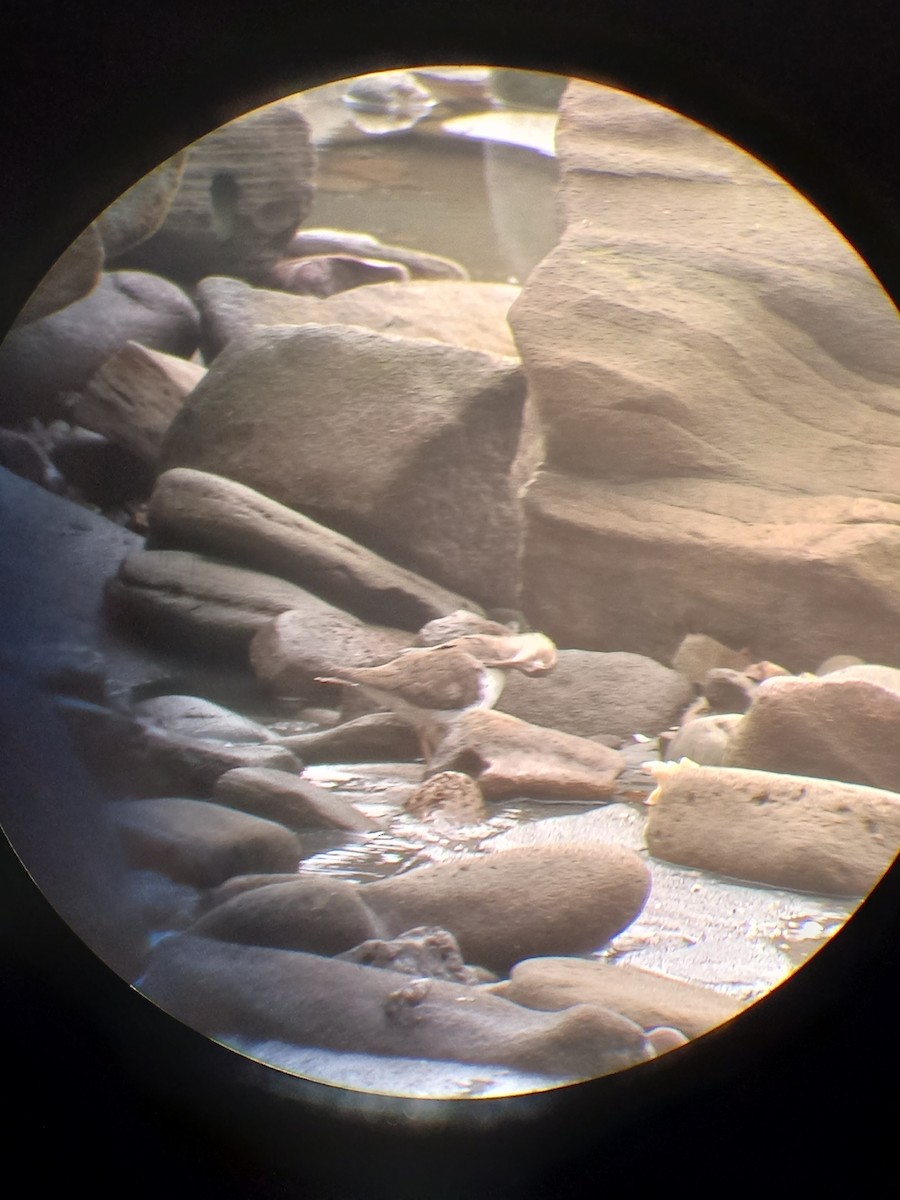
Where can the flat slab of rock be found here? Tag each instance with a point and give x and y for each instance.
(644, 997)
(459, 312)
(588, 693)
(137, 758)
(200, 843)
(517, 904)
(295, 802)
(407, 445)
(314, 1001)
(134, 396)
(842, 726)
(509, 757)
(195, 717)
(193, 510)
(195, 602)
(790, 831)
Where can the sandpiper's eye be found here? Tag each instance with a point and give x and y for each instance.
(475, 356)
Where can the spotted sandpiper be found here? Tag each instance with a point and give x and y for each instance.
(431, 684)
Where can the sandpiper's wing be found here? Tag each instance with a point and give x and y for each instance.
(435, 677)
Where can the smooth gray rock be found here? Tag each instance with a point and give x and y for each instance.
(194, 603)
(589, 693)
(200, 843)
(44, 361)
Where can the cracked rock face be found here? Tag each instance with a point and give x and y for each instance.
(712, 366)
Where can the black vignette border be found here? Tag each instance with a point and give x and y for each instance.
(106, 1088)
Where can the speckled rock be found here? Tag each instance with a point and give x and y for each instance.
(789, 831)
(449, 797)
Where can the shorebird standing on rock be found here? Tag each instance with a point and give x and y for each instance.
(426, 686)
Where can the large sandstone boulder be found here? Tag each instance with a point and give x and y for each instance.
(459, 312)
(42, 362)
(244, 189)
(403, 443)
(718, 378)
(222, 989)
(795, 578)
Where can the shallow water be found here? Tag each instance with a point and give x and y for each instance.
(491, 207)
(739, 938)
